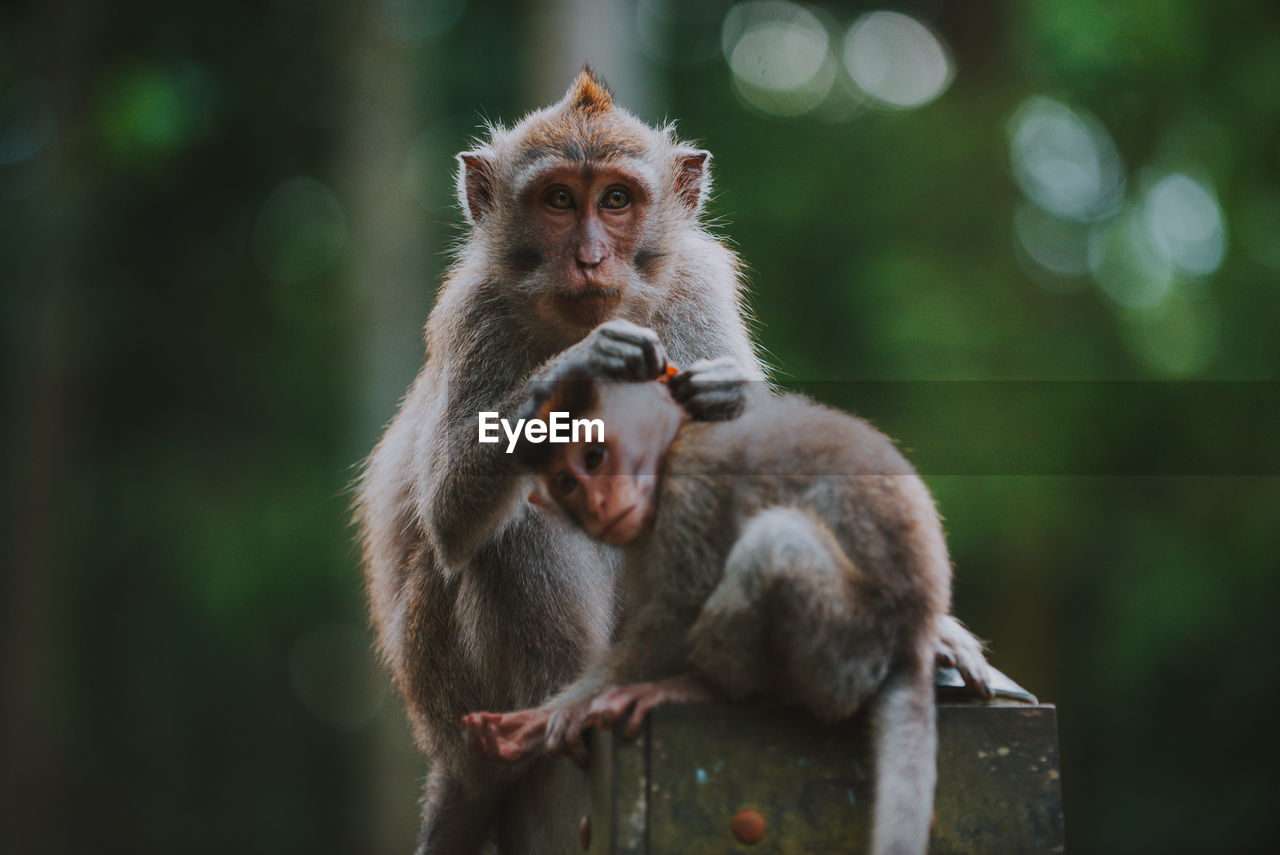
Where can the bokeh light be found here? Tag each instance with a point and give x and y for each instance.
(1179, 338)
(1125, 263)
(1186, 224)
(779, 54)
(152, 111)
(28, 138)
(1065, 161)
(27, 120)
(896, 61)
(299, 232)
(1056, 245)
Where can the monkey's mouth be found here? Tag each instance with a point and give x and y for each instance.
(611, 527)
(588, 307)
(580, 294)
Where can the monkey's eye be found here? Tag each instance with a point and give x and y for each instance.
(615, 199)
(566, 484)
(559, 198)
(593, 457)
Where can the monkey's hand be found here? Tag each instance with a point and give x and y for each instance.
(506, 737)
(956, 647)
(621, 350)
(633, 702)
(711, 390)
(515, 736)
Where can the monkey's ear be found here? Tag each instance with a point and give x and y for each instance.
(476, 178)
(692, 179)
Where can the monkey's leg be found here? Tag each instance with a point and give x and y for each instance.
(787, 598)
(456, 819)
(905, 737)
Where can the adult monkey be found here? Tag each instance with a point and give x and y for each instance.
(580, 215)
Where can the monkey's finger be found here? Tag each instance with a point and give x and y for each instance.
(725, 375)
(630, 335)
(608, 709)
(978, 681)
(630, 360)
(621, 328)
(727, 391)
(475, 726)
(553, 735)
(490, 738)
(725, 369)
(711, 390)
(619, 363)
(715, 406)
(655, 359)
(638, 714)
(638, 337)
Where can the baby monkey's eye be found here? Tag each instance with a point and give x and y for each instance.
(615, 199)
(566, 484)
(593, 457)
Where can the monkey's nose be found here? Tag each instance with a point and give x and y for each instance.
(590, 254)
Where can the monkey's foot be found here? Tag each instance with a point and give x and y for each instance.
(565, 726)
(506, 737)
(956, 647)
(634, 701)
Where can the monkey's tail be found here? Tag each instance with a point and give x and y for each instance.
(905, 739)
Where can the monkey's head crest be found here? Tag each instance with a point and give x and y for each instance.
(587, 94)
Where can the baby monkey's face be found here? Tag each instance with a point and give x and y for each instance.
(609, 486)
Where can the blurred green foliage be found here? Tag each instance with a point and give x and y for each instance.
(186, 333)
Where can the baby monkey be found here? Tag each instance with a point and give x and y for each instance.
(791, 554)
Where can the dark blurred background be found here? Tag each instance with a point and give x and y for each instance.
(221, 227)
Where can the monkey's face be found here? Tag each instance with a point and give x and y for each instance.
(584, 223)
(578, 210)
(607, 487)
